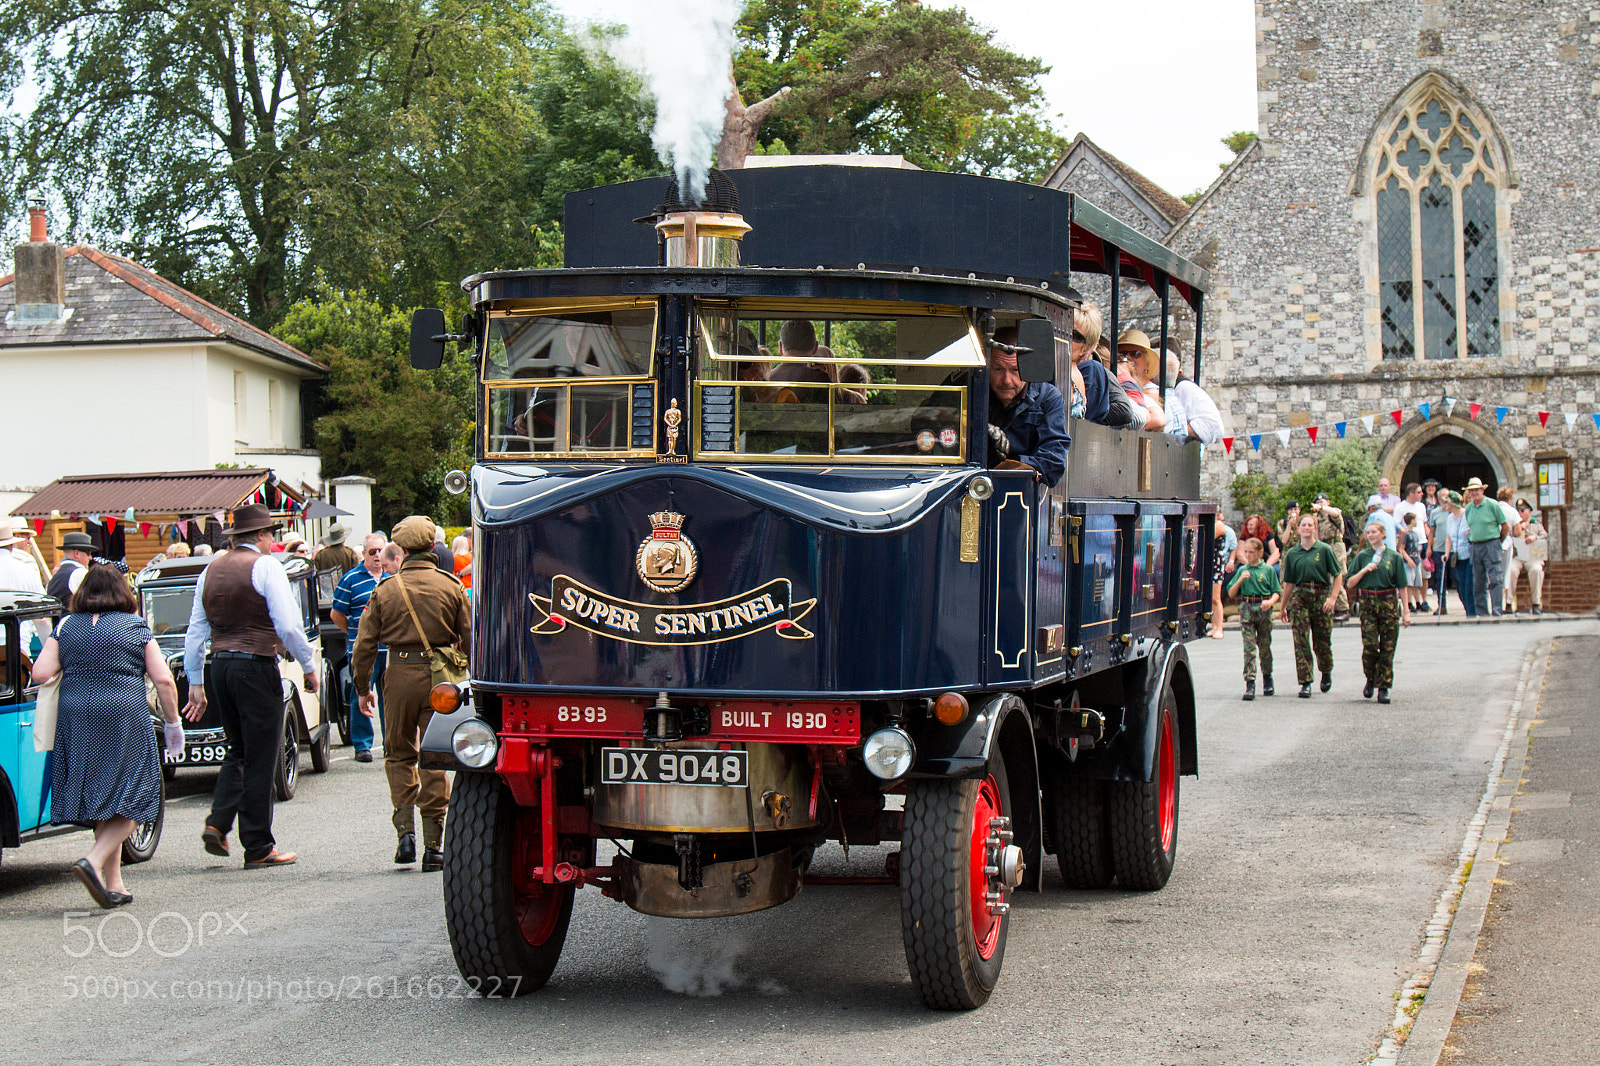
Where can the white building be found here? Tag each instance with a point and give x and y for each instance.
(108, 366)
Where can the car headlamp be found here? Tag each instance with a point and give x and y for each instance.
(889, 753)
(475, 743)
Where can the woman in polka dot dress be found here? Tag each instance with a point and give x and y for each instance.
(106, 771)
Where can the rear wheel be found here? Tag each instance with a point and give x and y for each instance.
(320, 749)
(288, 771)
(140, 846)
(506, 928)
(958, 868)
(335, 709)
(1144, 814)
(1083, 840)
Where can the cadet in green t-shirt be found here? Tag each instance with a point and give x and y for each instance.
(1378, 576)
(1256, 585)
(1312, 581)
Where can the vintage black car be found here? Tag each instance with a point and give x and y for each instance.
(25, 621)
(166, 597)
(335, 656)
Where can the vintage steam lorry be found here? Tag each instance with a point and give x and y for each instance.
(732, 604)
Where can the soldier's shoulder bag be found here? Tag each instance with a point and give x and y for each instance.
(444, 664)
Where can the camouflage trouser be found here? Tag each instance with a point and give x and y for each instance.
(1380, 627)
(1256, 625)
(1341, 553)
(1313, 631)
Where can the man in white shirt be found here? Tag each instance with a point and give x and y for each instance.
(1411, 503)
(1191, 413)
(244, 606)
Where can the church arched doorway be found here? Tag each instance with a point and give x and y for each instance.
(1451, 461)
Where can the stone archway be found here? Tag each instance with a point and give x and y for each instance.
(1400, 449)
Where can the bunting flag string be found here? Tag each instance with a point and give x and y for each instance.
(110, 524)
(38, 523)
(1368, 422)
(144, 529)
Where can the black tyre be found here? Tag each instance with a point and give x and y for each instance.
(1083, 839)
(335, 708)
(954, 941)
(169, 770)
(287, 773)
(142, 842)
(1144, 814)
(320, 753)
(506, 929)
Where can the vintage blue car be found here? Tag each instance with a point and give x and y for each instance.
(25, 621)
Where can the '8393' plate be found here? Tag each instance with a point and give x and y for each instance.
(691, 766)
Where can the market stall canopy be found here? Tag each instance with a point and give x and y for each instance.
(187, 492)
(317, 509)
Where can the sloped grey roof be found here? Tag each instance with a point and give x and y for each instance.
(116, 301)
(1165, 207)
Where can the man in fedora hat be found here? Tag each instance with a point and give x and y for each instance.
(336, 555)
(18, 572)
(1027, 420)
(244, 606)
(1486, 528)
(76, 551)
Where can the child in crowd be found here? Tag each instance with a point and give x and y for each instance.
(1257, 587)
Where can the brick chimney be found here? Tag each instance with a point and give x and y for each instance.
(41, 287)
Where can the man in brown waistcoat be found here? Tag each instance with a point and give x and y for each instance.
(440, 604)
(244, 606)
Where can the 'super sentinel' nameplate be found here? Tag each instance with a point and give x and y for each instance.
(770, 606)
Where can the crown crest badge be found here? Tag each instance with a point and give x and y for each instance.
(667, 560)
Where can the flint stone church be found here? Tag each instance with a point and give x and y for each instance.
(1417, 224)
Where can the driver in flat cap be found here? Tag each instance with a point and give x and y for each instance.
(439, 605)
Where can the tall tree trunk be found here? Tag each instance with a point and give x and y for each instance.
(741, 125)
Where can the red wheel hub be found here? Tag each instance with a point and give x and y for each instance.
(537, 906)
(1167, 775)
(990, 834)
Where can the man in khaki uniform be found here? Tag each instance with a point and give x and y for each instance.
(441, 608)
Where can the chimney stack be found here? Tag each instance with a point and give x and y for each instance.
(40, 286)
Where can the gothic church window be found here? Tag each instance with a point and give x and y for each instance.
(1438, 245)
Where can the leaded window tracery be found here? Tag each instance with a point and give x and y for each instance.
(1438, 243)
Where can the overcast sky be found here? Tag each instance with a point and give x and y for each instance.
(1157, 83)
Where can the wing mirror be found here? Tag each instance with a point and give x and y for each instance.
(1036, 350)
(428, 337)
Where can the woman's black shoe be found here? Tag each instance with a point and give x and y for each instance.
(91, 880)
(1305, 691)
(1366, 693)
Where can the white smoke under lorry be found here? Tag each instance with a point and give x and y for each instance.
(699, 958)
(683, 49)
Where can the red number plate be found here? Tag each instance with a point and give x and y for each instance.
(770, 721)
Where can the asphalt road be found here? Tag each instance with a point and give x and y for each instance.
(1312, 850)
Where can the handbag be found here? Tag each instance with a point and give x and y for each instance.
(1427, 564)
(44, 714)
(445, 665)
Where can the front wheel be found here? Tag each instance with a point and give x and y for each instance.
(140, 845)
(288, 770)
(958, 867)
(506, 927)
(1143, 815)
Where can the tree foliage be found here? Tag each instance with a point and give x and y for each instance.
(239, 145)
(1346, 471)
(382, 419)
(891, 76)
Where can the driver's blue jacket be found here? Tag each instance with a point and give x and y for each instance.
(1036, 426)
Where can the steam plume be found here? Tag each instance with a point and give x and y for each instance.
(683, 49)
(699, 958)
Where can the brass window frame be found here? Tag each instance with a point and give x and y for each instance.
(770, 309)
(570, 383)
(832, 458)
(582, 305)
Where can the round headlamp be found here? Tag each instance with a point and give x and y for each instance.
(889, 753)
(475, 743)
(980, 488)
